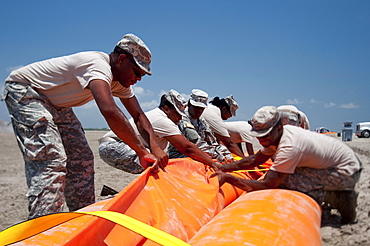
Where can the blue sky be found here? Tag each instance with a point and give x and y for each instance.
(312, 54)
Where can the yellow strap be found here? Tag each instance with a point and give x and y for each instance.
(265, 165)
(238, 158)
(35, 226)
(252, 170)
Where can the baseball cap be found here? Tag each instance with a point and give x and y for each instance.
(289, 114)
(177, 101)
(264, 120)
(289, 109)
(137, 48)
(198, 98)
(232, 104)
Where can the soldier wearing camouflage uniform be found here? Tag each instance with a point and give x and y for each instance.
(164, 120)
(320, 166)
(218, 110)
(196, 130)
(58, 161)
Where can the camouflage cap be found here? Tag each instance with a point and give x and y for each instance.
(289, 115)
(137, 48)
(289, 109)
(177, 101)
(264, 120)
(198, 98)
(232, 104)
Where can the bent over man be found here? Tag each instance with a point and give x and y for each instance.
(218, 110)
(196, 130)
(322, 167)
(40, 96)
(164, 120)
(239, 132)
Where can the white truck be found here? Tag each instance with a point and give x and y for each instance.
(363, 130)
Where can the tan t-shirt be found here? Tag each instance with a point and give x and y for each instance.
(212, 115)
(239, 131)
(303, 148)
(64, 80)
(162, 127)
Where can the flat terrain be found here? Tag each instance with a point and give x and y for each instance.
(13, 203)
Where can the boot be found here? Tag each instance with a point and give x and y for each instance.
(345, 201)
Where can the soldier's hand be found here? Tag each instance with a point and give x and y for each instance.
(221, 177)
(216, 166)
(162, 158)
(149, 160)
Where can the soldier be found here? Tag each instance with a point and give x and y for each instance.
(240, 132)
(218, 110)
(164, 120)
(292, 116)
(40, 96)
(196, 130)
(324, 168)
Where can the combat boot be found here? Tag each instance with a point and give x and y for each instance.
(345, 201)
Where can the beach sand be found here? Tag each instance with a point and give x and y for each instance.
(13, 203)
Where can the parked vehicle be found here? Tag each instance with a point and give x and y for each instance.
(363, 130)
(322, 130)
(325, 131)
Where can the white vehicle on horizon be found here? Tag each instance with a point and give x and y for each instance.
(322, 130)
(363, 130)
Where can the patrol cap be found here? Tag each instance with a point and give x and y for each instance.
(198, 98)
(289, 115)
(177, 101)
(232, 104)
(139, 51)
(289, 109)
(264, 120)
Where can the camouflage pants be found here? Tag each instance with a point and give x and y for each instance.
(59, 163)
(315, 182)
(121, 156)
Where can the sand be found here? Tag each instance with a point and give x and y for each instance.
(13, 203)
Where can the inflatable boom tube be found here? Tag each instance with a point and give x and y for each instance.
(185, 203)
(266, 217)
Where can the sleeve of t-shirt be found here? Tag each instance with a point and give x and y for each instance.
(120, 91)
(92, 68)
(286, 159)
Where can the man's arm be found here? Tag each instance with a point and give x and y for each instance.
(189, 149)
(145, 129)
(272, 180)
(247, 163)
(230, 144)
(118, 122)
